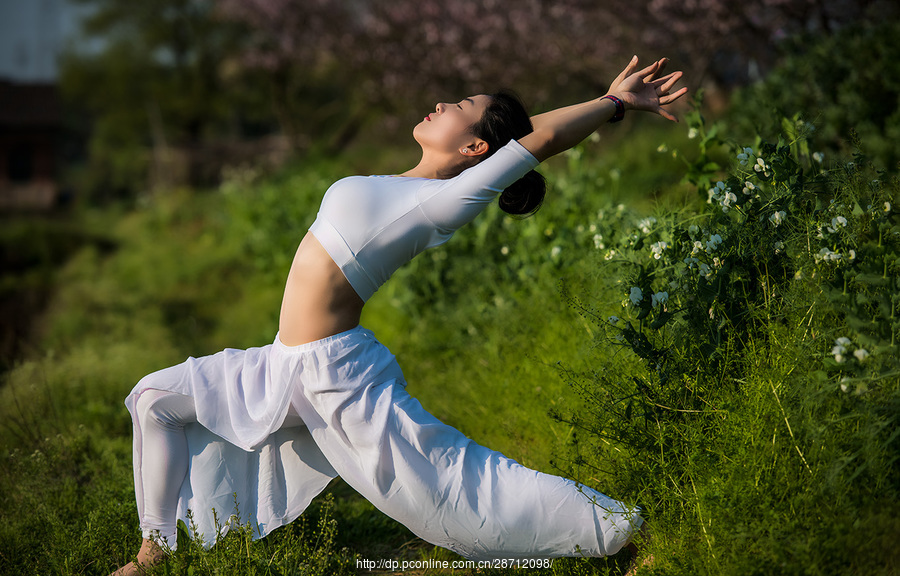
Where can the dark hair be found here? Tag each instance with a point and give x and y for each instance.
(505, 119)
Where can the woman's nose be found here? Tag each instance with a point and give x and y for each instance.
(439, 108)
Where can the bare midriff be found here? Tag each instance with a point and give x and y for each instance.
(318, 300)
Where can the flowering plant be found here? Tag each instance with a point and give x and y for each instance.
(779, 223)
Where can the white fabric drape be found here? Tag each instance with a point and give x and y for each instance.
(361, 424)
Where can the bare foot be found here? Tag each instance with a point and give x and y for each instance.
(150, 554)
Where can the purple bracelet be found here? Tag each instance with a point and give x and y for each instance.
(620, 109)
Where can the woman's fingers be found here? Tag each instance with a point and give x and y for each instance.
(648, 88)
(649, 72)
(629, 69)
(669, 98)
(626, 72)
(665, 83)
(666, 114)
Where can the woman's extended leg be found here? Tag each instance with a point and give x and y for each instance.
(446, 488)
(160, 465)
(160, 460)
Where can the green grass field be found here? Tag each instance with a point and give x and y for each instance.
(751, 411)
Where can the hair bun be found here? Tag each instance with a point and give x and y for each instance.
(524, 196)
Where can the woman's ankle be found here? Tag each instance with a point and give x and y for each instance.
(150, 553)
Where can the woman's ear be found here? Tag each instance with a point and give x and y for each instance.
(475, 148)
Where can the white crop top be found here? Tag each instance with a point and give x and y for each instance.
(372, 225)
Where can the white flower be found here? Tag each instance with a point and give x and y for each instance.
(610, 255)
(705, 270)
(715, 193)
(555, 251)
(717, 263)
(504, 250)
(762, 167)
(662, 148)
(861, 354)
(691, 262)
(745, 155)
(658, 248)
(636, 295)
(692, 133)
(840, 221)
(693, 229)
(613, 320)
(698, 247)
(779, 246)
(827, 255)
(818, 157)
(852, 255)
(646, 223)
(887, 206)
(598, 242)
(728, 200)
(777, 218)
(748, 188)
(659, 298)
(843, 341)
(713, 242)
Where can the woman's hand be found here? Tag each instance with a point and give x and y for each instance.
(562, 128)
(645, 89)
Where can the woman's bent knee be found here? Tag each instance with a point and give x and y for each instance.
(166, 409)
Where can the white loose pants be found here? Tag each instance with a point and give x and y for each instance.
(275, 424)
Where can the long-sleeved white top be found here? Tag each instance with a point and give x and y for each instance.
(372, 225)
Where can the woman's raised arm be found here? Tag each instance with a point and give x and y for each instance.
(563, 128)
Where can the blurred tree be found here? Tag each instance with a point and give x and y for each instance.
(181, 71)
(300, 47)
(398, 54)
(160, 80)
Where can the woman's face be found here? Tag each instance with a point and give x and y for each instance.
(448, 128)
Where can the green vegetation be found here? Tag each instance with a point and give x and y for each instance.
(725, 355)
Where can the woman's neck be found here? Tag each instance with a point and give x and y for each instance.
(437, 167)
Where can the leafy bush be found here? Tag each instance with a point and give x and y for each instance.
(755, 411)
(849, 81)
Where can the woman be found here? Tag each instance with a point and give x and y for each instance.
(326, 399)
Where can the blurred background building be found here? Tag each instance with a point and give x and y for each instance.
(33, 34)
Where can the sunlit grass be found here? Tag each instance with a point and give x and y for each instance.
(757, 464)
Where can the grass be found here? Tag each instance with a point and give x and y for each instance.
(748, 461)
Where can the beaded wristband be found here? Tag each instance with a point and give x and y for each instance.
(620, 108)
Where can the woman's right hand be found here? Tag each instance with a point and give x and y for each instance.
(645, 90)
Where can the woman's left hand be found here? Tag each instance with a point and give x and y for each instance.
(646, 89)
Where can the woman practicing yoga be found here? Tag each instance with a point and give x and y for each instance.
(275, 424)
